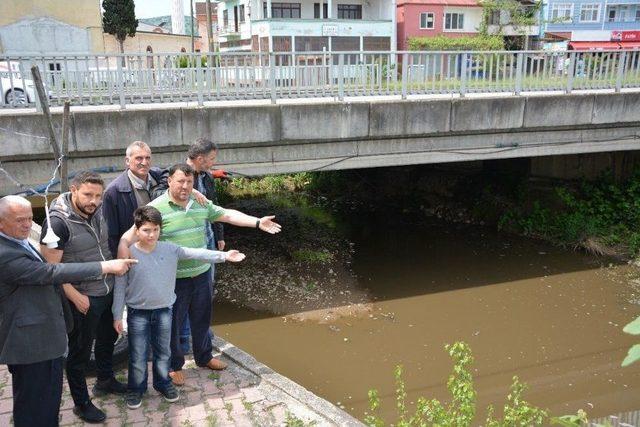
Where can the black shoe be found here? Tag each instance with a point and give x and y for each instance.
(89, 413)
(170, 393)
(111, 385)
(133, 400)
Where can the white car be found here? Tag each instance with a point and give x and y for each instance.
(21, 92)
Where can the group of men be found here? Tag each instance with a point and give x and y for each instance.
(54, 303)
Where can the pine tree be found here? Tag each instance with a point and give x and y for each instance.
(119, 19)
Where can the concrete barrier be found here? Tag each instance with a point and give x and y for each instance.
(261, 139)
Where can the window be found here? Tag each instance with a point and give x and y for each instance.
(638, 14)
(283, 10)
(494, 17)
(225, 18)
(454, 21)
(316, 11)
(426, 21)
(241, 13)
(590, 12)
(349, 11)
(619, 14)
(561, 12)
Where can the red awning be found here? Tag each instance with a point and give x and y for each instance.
(630, 45)
(594, 45)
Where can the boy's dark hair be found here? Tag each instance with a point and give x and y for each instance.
(147, 214)
(85, 177)
(201, 147)
(185, 168)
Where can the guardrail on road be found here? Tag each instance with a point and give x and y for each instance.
(183, 77)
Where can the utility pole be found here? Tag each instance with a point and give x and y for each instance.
(209, 28)
(193, 45)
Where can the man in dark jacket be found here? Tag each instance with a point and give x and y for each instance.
(32, 327)
(133, 188)
(76, 219)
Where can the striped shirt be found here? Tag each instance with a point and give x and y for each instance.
(186, 227)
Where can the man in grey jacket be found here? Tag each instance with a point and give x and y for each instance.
(33, 336)
(84, 237)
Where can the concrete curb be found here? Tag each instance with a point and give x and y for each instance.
(318, 405)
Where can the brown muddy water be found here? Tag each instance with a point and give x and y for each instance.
(552, 316)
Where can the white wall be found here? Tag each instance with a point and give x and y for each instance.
(44, 36)
(472, 18)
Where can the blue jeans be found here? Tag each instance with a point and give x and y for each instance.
(185, 332)
(193, 299)
(149, 327)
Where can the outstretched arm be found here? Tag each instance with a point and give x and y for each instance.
(240, 219)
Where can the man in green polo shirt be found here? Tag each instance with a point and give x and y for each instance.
(183, 223)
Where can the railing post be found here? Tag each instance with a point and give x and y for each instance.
(38, 102)
(621, 66)
(405, 69)
(571, 72)
(463, 76)
(199, 79)
(272, 76)
(341, 77)
(519, 72)
(119, 81)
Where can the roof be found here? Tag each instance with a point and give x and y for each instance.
(595, 45)
(165, 23)
(467, 3)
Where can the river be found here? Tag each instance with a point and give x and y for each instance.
(552, 316)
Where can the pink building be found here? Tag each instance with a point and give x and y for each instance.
(429, 18)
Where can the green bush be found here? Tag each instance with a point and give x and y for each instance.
(604, 210)
(476, 43)
(461, 410)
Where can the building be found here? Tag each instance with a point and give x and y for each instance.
(306, 25)
(33, 27)
(429, 18)
(593, 25)
(200, 13)
(456, 18)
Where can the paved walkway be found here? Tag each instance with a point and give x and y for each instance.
(247, 393)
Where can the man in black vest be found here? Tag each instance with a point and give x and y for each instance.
(84, 237)
(32, 327)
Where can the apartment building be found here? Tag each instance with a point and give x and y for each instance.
(306, 25)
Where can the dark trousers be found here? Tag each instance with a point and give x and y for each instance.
(37, 391)
(96, 324)
(193, 299)
(185, 332)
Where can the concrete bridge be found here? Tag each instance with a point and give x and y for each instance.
(260, 138)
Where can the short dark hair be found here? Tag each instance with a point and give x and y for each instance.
(201, 147)
(147, 214)
(185, 168)
(85, 177)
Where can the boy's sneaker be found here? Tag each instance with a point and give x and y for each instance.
(170, 393)
(134, 400)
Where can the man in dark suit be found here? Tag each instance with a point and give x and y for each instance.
(33, 335)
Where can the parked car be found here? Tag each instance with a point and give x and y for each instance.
(21, 92)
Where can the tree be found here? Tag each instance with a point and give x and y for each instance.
(518, 14)
(119, 19)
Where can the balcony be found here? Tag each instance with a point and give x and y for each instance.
(323, 27)
(510, 30)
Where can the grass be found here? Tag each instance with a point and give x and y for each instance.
(213, 376)
(311, 256)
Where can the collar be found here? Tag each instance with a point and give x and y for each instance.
(139, 184)
(24, 242)
(186, 208)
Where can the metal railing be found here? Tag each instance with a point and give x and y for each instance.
(182, 77)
